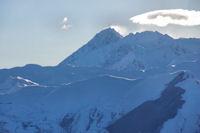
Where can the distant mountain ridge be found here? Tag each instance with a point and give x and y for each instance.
(132, 51)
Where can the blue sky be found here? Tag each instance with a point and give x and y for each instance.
(31, 30)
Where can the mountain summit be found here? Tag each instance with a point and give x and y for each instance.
(100, 40)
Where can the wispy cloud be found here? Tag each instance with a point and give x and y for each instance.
(65, 19)
(172, 16)
(65, 25)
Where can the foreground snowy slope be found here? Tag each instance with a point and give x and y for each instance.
(145, 82)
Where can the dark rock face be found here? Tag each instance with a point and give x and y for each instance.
(2, 129)
(67, 122)
(150, 116)
(95, 117)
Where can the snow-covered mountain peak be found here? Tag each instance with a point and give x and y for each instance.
(101, 39)
(149, 33)
(109, 32)
(144, 50)
(104, 37)
(151, 36)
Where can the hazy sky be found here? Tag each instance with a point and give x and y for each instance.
(47, 31)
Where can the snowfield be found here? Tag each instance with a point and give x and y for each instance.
(145, 82)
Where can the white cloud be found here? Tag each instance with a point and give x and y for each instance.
(65, 26)
(65, 19)
(121, 29)
(172, 16)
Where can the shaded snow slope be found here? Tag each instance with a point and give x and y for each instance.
(92, 103)
(150, 116)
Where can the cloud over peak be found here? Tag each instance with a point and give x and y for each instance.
(172, 16)
(120, 29)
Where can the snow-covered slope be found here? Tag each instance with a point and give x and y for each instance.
(13, 84)
(108, 85)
